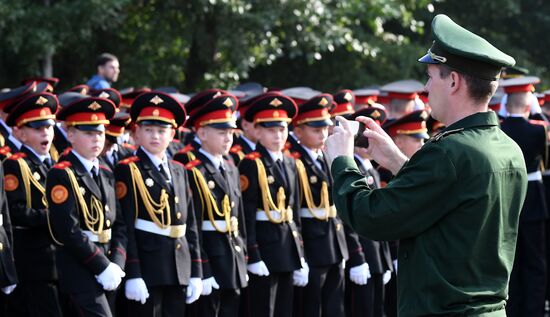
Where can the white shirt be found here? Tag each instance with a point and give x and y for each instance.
(250, 143)
(40, 156)
(215, 160)
(367, 165)
(276, 155)
(109, 154)
(88, 165)
(314, 156)
(16, 142)
(156, 161)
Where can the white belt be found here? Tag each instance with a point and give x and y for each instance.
(318, 212)
(286, 215)
(535, 176)
(208, 226)
(103, 237)
(177, 231)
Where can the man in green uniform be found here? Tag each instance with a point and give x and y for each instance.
(455, 204)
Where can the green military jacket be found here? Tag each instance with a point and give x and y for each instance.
(455, 207)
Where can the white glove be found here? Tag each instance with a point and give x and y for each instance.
(359, 274)
(8, 289)
(300, 277)
(194, 290)
(395, 265)
(110, 277)
(386, 277)
(135, 289)
(207, 286)
(258, 268)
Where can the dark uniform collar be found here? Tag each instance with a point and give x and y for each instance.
(488, 118)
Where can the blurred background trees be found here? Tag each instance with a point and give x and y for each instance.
(195, 44)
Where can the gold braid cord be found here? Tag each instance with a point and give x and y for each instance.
(153, 208)
(54, 153)
(306, 189)
(268, 203)
(2, 140)
(27, 177)
(211, 205)
(92, 217)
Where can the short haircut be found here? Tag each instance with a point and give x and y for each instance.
(105, 58)
(480, 90)
(401, 105)
(517, 101)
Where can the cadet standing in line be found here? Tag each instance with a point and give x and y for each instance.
(218, 206)
(322, 230)
(271, 199)
(455, 204)
(164, 265)
(82, 212)
(25, 175)
(528, 279)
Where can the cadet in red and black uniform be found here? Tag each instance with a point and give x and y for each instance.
(271, 200)
(246, 142)
(527, 282)
(322, 230)
(368, 299)
(192, 143)
(164, 264)
(82, 212)
(25, 174)
(115, 150)
(218, 206)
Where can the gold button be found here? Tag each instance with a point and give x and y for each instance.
(178, 215)
(108, 223)
(338, 227)
(178, 246)
(176, 199)
(1, 246)
(295, 233)
(237, 248)
(106, 208)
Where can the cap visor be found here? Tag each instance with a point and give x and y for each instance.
(156, 123)
(419, 135)
(319, 124)
(427, 59)
(272, 124)
(89, 127)
(40, 123)
(223, 125)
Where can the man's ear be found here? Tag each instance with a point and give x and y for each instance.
(455, 81)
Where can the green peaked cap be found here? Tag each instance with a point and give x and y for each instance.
(464, 51)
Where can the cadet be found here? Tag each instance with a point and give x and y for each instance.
(527, 282)
(403, 97)
(455, 204)
(218, 206)
(25, 175)
(409, 131)
(368, 299)
(164, 264)
(322, 231)
(271, 198)
(115, 150)
(246, 142)
(82, 212)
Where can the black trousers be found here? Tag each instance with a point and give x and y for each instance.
(528, 279)
(163, 301)
(221, 303)
(365, 300)
(324, 293)
(270, 296)
(89, 304)
(35, 298)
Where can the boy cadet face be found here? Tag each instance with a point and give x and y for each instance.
(155, 139)
(39, 139)
(215, 141)
(88, 144)
(272, 138)
(311, 137)
(249, 130)
(408, 144)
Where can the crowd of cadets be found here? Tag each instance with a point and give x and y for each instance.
(153, 203)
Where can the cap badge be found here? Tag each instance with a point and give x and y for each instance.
(41, 101)
(43, 112)
(276, 114)
(375, 114)
(156, 112)
(94, 117)
(275, 102)
(94, 106)
(104, 94)
(323, 102)
(348, 96)
(217, 94)
(156, 100)
(228, 103)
